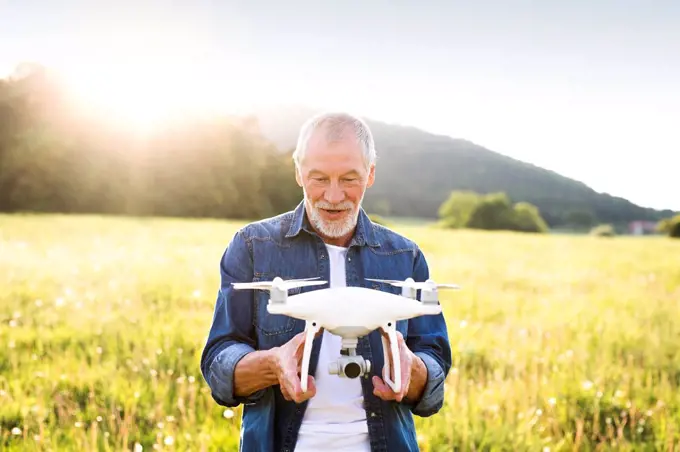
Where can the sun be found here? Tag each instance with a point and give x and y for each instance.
(144, 94)
(143, 87)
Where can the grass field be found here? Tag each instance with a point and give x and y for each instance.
(560, 342)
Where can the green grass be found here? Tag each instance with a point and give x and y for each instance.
(560, 342)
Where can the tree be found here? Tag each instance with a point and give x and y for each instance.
(456, 210)
(603, 230)
(580, 218)
(670, 226)
(493, 211)
(674, 230)
(57, 156)
(528, 218)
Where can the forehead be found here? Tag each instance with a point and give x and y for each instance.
(334, 150)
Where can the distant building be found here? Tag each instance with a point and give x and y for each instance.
(642, 227)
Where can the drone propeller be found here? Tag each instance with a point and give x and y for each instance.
(410, 283)
(279, 283)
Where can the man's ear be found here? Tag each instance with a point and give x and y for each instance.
(371, 176)
(298, 177)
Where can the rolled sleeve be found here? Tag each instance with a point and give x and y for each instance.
(433, 394)
(220, 375)
(231, 335)
(428, 339)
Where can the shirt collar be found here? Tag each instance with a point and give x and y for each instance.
(364, 233)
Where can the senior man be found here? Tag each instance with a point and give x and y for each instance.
(253, 358)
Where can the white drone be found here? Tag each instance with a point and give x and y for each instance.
(370, 310)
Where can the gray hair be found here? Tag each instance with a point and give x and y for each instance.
(335, 124)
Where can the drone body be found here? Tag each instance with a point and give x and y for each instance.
(357, 309)
(351, 312)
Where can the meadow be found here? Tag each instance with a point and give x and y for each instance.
(560, 342)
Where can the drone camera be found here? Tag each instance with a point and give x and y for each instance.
(350, 366)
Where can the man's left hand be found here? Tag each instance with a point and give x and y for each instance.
(413, 374)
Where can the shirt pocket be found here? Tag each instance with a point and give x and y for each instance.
(273, 329)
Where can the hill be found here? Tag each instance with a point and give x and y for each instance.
(417, 171)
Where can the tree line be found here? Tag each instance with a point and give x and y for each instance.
(55, 157)
(466, 209)
(58, 157)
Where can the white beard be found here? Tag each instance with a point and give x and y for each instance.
(334, 229)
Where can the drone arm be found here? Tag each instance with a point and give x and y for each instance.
(391, 354)
(311, 329)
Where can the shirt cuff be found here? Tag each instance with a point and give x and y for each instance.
(432, 399)
(221, 376)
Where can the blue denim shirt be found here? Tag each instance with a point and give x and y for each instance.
(286, 246)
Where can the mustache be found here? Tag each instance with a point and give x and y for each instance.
(346, 205)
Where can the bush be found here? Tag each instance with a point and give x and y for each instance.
(603, 230)
(670, 226)
(528, 218)
(674, 230)
(493, 211)
(456, 210)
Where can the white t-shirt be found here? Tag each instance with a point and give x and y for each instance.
(335, 418)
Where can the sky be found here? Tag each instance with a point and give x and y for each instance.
(589, 89)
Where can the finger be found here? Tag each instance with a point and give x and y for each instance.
(284, 392)
(384, 392)
(311, 390)
(298, 343)
(406, 369)
(289, 378)
(289, 391)
(299, 396)
(389, 393)
(381, 390)
(285, 387)
(406, 383)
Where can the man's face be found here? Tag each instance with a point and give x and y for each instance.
(334, 178)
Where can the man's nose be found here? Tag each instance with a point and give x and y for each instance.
(335, 194)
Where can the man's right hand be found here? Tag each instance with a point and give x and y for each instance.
(287, 360)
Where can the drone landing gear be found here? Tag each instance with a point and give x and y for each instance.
(391, 348)
(311, 329)
(350, 364)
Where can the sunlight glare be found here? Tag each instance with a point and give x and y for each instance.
(144, 87)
